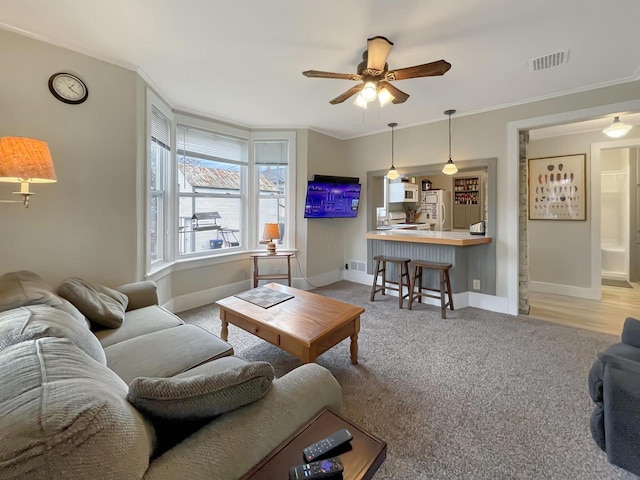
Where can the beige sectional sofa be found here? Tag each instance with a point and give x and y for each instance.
(64, 382)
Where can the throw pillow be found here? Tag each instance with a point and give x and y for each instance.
(204, 395)
(98, 303)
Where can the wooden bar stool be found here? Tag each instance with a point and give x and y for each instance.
(445, 284)
(403, 277)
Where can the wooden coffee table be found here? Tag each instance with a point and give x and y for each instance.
(361, 461)
(306, 325)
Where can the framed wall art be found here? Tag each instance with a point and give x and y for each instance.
(558, 188)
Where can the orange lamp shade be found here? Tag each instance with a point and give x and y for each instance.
(271, 231)
(25, 160)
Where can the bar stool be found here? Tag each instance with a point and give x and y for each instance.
(403, 276)
(445, 284)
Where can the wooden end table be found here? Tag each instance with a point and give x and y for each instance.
(360, 463)
(271, 276)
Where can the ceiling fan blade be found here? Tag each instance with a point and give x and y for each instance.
(398, 95)
(339, 76)
(378, 49)
(427, 70)
(349, 93)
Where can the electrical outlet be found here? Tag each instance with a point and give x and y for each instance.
(346, 266)
(476, 284)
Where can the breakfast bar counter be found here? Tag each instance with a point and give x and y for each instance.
(472, 257)
(458, 239)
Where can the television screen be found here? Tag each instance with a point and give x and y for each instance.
(332, 200)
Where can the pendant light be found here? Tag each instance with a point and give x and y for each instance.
(617, 129)
(393, 173)
(450, 167)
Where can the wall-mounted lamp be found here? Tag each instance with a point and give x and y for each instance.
(450, 167)
(25, 161)
(617, 129)
(271, 231)
(393, 173)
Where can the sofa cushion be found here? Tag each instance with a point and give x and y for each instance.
(38, 321)
(146, 356)
(138, 322)
(24, 288)
(212, 391)
(98, 303)
(64, 415)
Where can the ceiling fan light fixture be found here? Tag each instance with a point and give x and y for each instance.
(450, 167)
(385, 97)
(617, 129)
(369, 91)
(360, 102)
(393, 173)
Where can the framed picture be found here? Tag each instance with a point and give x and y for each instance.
(558, 188)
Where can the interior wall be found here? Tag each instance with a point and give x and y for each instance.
(482, 135)
(326, 236)
(85, 224)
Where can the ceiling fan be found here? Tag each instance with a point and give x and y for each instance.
(375, 75)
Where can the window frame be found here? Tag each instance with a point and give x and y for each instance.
(288, 241)
(166, 258)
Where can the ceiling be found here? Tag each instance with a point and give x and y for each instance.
(241, 61)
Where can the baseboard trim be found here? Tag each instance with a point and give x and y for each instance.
(460, 300)
(567, 290)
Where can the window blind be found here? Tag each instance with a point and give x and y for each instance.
(160, 128)
(271, 152)
(213, 146)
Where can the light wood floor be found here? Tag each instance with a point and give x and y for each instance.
(606, 315)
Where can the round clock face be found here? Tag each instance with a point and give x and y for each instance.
(68, 88)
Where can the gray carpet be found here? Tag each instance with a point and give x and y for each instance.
(479, 395)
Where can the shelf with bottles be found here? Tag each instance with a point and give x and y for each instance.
(467, 184)
(467, 198)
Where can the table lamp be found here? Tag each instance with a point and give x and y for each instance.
(271, 231)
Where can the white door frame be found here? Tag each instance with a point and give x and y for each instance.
(513, 171)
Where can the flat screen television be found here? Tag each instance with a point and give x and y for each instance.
(332, 200)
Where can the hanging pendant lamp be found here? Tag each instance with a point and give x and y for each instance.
(393, 173)
(450, 167)
(617, 129)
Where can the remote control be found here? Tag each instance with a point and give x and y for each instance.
(330, 468)
(326, 445)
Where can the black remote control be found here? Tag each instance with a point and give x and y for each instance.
(326, 445)
(330, 468)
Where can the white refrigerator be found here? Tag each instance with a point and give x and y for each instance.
(436, 207)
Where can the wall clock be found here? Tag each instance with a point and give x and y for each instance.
(68, 88)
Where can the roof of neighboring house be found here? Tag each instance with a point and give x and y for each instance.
(208, 177)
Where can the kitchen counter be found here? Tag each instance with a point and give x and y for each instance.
(459, 239)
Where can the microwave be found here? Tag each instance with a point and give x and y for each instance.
(403, 192)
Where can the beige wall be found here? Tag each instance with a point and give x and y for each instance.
(482, 135)
(85, 224)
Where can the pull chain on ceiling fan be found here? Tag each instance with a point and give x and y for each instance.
(375, 75)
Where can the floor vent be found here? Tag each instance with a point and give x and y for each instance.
(549, 61)
(357, 266)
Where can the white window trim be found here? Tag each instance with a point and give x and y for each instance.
(168, 221)
(290, 197)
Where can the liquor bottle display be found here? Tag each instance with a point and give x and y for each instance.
(467, 201)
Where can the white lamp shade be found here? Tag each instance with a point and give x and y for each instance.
(369, 92)
(450, 168)
(393, 173)
(384, 97)
(617, 129)
(360, 102)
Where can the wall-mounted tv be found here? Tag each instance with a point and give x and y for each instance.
(332, 200)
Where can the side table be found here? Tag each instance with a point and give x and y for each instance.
(271, 276)
(361, 462)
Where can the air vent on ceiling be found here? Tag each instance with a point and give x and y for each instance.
(549, 61)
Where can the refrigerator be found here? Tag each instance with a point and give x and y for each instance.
(437, 209)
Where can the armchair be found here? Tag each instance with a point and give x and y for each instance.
(614, 386)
